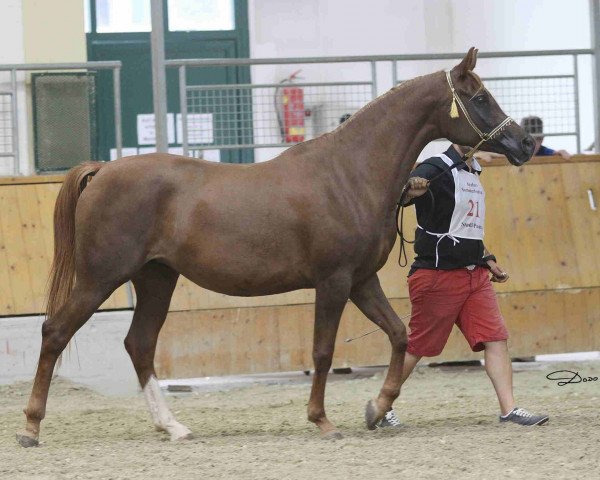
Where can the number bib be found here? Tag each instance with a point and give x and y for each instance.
(468, 217)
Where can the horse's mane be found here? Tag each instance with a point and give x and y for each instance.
(376, 101)
(392, 91)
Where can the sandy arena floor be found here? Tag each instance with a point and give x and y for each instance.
(260, 432)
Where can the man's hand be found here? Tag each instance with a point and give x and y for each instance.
(498, 275)
(564, 154)
(417, 186)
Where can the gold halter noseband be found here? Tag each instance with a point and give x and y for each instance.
(483, 136)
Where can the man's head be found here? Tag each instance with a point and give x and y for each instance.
(534, 126)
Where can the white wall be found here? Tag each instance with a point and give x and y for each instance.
(519, 24)
(286, 28)
(291, 28)
(11, 32)
(12, 51)
(335, 27)
(95, 357)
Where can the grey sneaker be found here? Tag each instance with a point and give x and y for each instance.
(390, 420)
(523, 417)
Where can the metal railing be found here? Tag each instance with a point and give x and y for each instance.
(554, 98)
(9, 102)
(323, 104)
(8, 143)
(247, 116)
(9, 129)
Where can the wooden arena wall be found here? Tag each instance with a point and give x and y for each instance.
(539, 224)
(27, 242)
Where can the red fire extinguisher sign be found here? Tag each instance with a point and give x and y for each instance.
(293, 114)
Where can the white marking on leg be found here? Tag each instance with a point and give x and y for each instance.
(161, 415)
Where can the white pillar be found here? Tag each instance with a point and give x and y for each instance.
(159, 88)
(595, 38)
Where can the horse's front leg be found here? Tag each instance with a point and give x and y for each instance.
(370, 299)
(331, 298)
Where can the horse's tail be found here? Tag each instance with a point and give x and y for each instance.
(62, 273)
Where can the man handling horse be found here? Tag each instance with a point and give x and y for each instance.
(449, 281)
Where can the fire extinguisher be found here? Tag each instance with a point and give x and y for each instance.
(290, 110)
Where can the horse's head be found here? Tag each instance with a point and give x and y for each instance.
(472, 117)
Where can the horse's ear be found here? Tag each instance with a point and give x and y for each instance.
(468, 63)
(474, 58)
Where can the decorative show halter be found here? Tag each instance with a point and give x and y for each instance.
(483, 137)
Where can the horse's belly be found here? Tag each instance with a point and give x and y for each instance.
(243, 283)
(234, 266)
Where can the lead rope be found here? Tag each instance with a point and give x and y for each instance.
(351, 339)
(400, 228)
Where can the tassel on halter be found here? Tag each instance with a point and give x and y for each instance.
(453, 108)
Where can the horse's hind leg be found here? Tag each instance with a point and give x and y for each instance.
(56, 333)
(371, 300)
(154, 286)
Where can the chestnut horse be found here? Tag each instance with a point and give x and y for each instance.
(320, 215)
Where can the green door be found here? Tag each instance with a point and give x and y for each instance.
(133, 50)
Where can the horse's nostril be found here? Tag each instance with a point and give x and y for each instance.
(528, 144)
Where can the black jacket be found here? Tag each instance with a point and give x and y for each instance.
(451, 256)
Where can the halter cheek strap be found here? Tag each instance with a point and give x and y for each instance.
(484, 137)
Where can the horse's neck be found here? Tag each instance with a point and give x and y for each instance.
(381, 143)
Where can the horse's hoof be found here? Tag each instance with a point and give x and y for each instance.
(372, 415)
(26, 441)
(332, 435)
(182, 435)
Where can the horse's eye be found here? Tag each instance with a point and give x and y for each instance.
(481, 99)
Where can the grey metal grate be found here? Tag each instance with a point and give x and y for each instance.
(64, 119)
(250, 116)
(551, 98)
(6, 124)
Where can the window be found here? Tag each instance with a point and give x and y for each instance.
(201, 15)
(123, 16)
(87, 19)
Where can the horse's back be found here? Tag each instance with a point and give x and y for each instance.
(208, 221)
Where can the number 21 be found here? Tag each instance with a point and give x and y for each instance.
(474, 206)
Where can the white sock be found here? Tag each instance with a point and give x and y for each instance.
(504, 416)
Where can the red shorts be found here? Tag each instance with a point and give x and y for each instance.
(442, 298)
